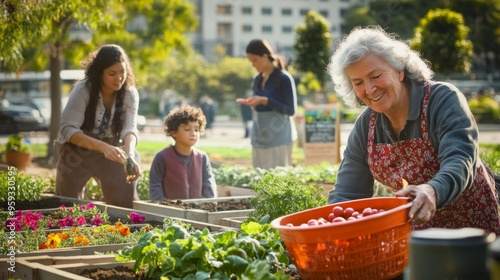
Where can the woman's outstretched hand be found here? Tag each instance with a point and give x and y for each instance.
(424, 202)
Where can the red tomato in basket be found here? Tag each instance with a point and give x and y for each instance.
(367, 211)
(322, 221)
(339, 220)
(312, 222)
(348, 212)
(355, 214)
(338, 211)
(331, 216)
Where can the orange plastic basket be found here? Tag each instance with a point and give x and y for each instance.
(374, 247)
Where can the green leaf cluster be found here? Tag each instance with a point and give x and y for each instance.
(312, 45)
(441, 37)
(16, 143)
(15, 186)
(282, 195)
(234, 175)
(175, 253)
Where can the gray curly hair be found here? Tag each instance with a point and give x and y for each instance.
(373, 39)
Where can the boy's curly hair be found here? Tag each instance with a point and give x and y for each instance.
(184, 115)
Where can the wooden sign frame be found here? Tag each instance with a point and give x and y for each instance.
(322, 134)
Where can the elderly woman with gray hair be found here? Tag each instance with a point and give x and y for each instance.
(416, 136)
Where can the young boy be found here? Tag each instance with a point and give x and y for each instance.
(182, 171)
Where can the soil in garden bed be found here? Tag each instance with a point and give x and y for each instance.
(125, 273)
(227, 205)
(44, 203)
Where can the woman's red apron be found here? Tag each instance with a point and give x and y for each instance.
(416, 161)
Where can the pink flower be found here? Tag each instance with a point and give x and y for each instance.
(66, 222)
(81, 221)
(136, 218)
(13, 224)
(97, 221)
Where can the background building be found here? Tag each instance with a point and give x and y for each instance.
(233, 23)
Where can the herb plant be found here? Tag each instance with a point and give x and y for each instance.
(282, 195)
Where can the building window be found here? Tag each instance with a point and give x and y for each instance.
(324, 13)
(246, 10)
(286, 12)
(246, 28)
(343, 12)
(267, 29)
(224, 9)
(267, 11)
(224, 30)
(286, 29)
(303, 12)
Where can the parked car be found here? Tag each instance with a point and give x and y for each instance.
(141, 122)
(15, 118)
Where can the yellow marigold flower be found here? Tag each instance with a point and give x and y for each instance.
(85, 241)
(53, 241)
(125, 231)
(97, 230)
(110, 228)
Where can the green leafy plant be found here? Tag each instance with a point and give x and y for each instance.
(17, 143)
(282, 195)
(20, 187)
(175, 253)
(233, 175)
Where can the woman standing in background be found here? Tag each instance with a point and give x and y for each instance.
(274, 102)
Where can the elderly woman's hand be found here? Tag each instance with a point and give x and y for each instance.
(424, 202)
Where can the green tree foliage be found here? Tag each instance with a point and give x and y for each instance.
(403, 16)
(308, 84)
(312, 45)
(226, 79)
(441, 37)
(483, 19)
(357, 16)
(37, 34)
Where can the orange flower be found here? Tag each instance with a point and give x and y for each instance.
(53, 241)
(78, 240)
(119, 225)
(85, 241)
(124, 231)
(75, 229)
(42, 246)
(63, 235)
(81, 239)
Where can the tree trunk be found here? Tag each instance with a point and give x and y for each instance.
(55, 96)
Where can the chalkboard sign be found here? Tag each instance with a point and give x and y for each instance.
(321, 134)
(320, 125)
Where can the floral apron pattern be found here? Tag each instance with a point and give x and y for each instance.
(416, 161)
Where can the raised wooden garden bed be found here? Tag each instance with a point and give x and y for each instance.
(47, 267)
(190, 208)
(225, 191)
